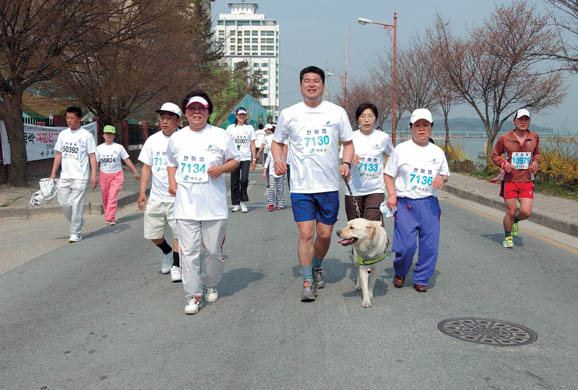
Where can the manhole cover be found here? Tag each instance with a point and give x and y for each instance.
(487, 331)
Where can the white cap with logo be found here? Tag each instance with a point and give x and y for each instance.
(420, 113)
(170, 107)
(522, 112)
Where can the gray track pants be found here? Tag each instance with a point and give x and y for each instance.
(71, 194)
(196, 272)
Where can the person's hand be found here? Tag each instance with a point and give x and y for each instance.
(93, 182)
(52, 176)
(263, 175)
(345, 172)
(508, 168)
(253, 164)
(136, 176)
(173, 188)
(438, 182)
(141, 201)
(533, 167)
(280, 167)
(215, 171)
(355, 159)
(391, 202)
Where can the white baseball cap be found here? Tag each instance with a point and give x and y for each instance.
(241, 111)
(420, 113)
(268, 126)
(170, 107)
(522, 112)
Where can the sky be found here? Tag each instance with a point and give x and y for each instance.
(312, 32)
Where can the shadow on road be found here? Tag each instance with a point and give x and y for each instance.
(236, 280)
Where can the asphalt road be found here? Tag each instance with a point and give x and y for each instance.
(99, 315)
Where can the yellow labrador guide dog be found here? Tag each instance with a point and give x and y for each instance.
(370, 242)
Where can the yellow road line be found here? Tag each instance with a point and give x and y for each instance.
(535, 235)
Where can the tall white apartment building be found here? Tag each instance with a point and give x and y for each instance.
(246, 35)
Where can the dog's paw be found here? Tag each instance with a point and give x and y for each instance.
(366, 304)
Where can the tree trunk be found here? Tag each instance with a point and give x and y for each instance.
(447, 140)
(12, 110)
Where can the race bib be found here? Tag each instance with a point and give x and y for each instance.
(193, 169)
(521, 160)
(71, 150)
(317, 142)
(420, 180)
(160, 162)
(241, 141)
(107, 160)
(369, 167)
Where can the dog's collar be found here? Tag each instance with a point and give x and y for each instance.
(361, 261)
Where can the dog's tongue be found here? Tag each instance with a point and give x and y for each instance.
(346, 241)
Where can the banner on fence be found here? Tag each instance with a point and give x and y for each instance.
(39, 141)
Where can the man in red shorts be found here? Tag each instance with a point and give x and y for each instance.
(520, 162)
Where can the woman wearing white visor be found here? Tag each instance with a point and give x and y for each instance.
(198, 156)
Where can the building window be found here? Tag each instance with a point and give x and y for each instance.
(256, 22)
(242, 23)
(219, 22)
(255, 40)
(254, 48)
(254, 33)
(232, 40)
(264, 64)
(221, 32)
(247, 40)
(247, 32)
(265, 72)
(255, 65)
(229, 22)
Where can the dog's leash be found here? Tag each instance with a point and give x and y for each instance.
(355, 204)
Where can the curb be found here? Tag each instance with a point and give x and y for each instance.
(542, 219)
(89, 208)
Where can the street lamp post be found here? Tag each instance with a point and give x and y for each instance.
(394, 26)
(344, 78)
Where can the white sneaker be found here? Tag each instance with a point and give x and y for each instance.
(244, 208)
(236, 208)
(75, 238)
(176, 274)
(193, 305)
(211, 294)
(166, 263)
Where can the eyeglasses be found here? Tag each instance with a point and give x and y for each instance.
(366, 116)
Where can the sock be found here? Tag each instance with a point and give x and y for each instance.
(316, 262)
(507, 234)
(307, 272)
(516, 220)
(176, 259)
(166, 248)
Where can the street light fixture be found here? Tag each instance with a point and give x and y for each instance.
(394, 26)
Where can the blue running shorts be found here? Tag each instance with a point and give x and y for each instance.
(322, 206)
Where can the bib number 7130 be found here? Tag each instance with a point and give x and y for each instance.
(317, 141)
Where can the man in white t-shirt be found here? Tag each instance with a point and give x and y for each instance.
(244, 137)
(259, 139)
(75, 152)
(159, 212)
(415, 173)
(313, 129)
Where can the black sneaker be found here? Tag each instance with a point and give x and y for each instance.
(318, 277)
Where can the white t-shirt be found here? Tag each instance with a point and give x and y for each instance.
(154, 154)
(314, 134)
(242, 136)
(200, 197)
(367, 177)
(75, 146)
(259, 137)
(267, 142)
(414, 168)
(110, 157)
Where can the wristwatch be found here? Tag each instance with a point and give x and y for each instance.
(348, 164)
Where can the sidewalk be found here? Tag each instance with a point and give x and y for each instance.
(556, 213)
(15, 202)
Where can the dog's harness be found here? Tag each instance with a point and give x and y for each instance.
(362, 261)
